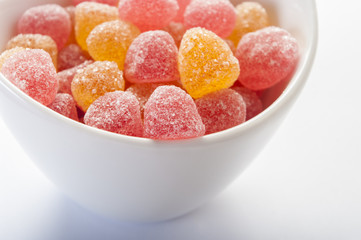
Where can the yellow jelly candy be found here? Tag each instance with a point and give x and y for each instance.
(206, 63)
(251, 16)
(35, 41)
(110, 41)
(94, 81)
(88, 15)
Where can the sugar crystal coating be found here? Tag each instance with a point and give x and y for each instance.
(206, 63)
(152, 57)
(64, 104)
(254, 104)
(182, 7)
(176, 30)
(170, 113)
(33, 72)
(116, 112)
(66, 76)
(218, 16)
(88, 15)
(48, 19)
(251, 16)
(35, 41)
(266, 57)
(221, 110)
(110, 41)
(94, 81)
(148, 14)
(71, 56)
(109, 2)
(8, 53)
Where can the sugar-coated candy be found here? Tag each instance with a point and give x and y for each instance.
(66, 76)
(49, 19)
(251, 16)
(88, 15)
(116, 112)
(35, 41)
(218, 16)
(170, 113)
(182, 7)
(206, 63)
(230, 45)
(109, 2)
(254, 104)
(221, 110)
(266, 57)
(94, 81)
(148, 14)
(152, 57)
(110, 41)
(65, 105)
(71, 11)
(33, 72)
(71, 56)
(176, 30)
(8, 53)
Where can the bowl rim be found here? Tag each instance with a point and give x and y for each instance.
(295, 84)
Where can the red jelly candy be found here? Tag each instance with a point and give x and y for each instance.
(65, 105)
(221, 110)
(32, 71)
(170, 113)
(218, 16)
(116, 112)
(71, 56)
(182, 7)
(148, 14)
(152, 57)
(49, 19)
(253, 103)
(266, 57)
(176, 30)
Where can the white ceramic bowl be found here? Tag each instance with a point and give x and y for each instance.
(137, 179)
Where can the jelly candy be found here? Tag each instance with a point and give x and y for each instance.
(218, 16)
(206, 63)
(116, 112)
(33, 72)
(266, 57)
(8, 53)
(88, 15)
(176, 30)
(170, 113)
(109, 2)
(148, 14)
(49, 19)
(71, 11)
(111, 40)
(65, 105)
(221, 110)
(71, 56)
(94, 81)
(253, 103)
(182, 7)
(152, 57)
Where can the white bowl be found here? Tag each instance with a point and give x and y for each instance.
(141, 180)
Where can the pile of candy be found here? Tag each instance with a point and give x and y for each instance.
(159, 69)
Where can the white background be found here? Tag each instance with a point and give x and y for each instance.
(306, 184)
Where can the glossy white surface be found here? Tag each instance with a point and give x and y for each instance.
(305, 184)
(136, 179)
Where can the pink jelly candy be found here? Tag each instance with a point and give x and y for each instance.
(218, 16)
(254, 104)
(266, 57)
(71, 56)
(49, 19)
(170, 113)
(65, 105)
(116, 112)
(32, 71)
(152, 57)
(66, 76)
(182, 7)
(176, 30)
(148, 14)
(221, 110)
(109, 2)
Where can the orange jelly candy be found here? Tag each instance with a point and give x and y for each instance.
(94, 81)
(206, 63)
(111, 40)
(88, 15)
(251, 16)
